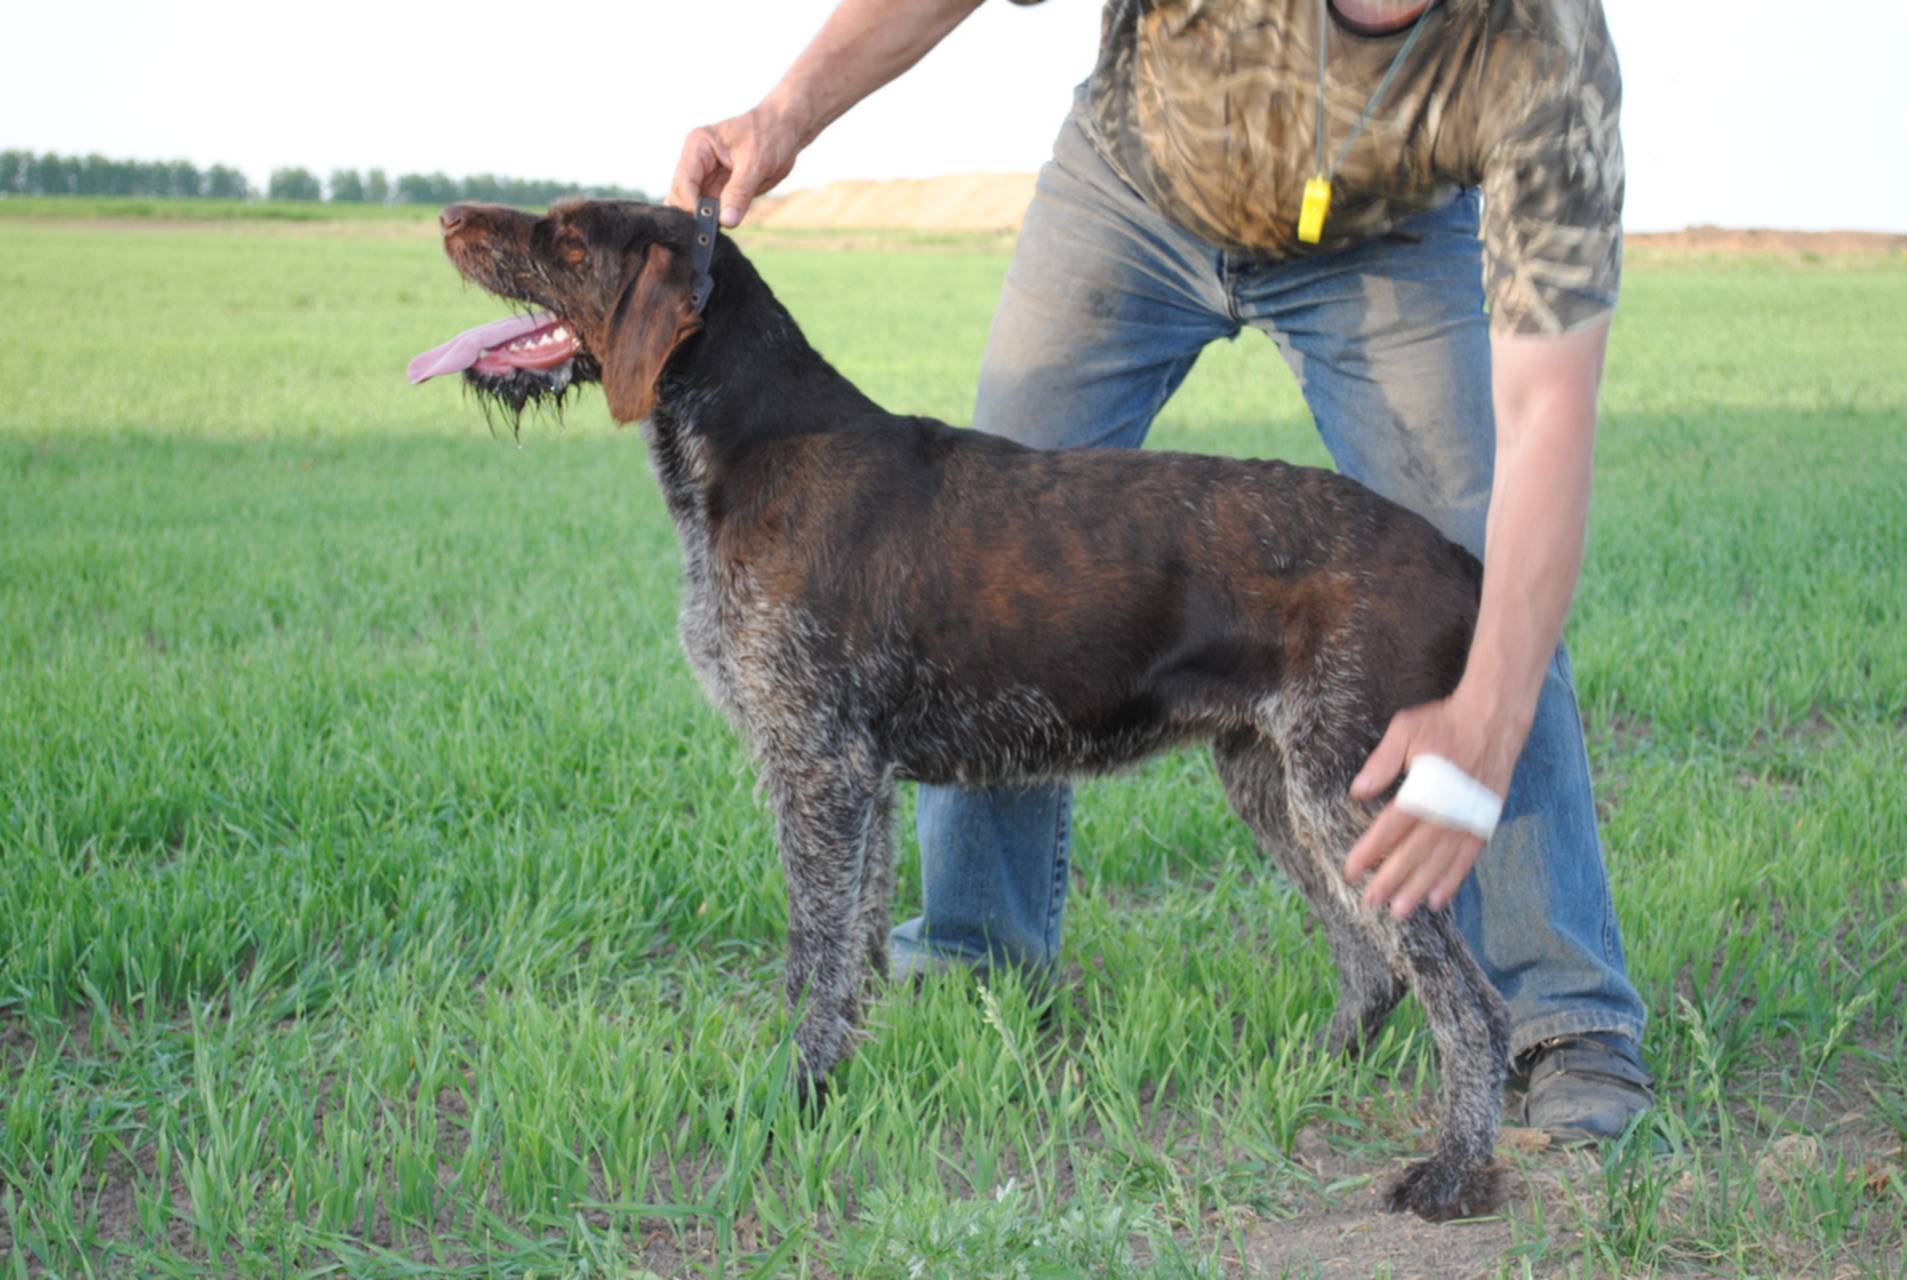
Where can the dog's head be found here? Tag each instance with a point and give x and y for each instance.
(610, 284)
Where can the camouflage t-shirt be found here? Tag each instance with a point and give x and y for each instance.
(1209, 109)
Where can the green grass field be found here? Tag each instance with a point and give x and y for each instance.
(378, 897)
(155, 209)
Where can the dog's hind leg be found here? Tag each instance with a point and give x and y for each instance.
(825, 807)
(877, 890)
(1466, 1016)
(1369, 986)
(1472, 1030)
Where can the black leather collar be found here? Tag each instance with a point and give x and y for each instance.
(706, 229)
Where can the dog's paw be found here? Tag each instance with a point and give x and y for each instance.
(1339, 1042)
(1438, 1190)
(811, 1094)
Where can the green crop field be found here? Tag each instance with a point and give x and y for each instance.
(379, 898)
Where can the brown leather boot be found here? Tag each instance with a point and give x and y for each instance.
(1584, 1088)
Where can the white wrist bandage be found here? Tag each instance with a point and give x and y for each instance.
(1440, 792)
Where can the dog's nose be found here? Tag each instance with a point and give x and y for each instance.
(453, 216)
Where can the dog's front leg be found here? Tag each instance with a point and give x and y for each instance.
(825, 810)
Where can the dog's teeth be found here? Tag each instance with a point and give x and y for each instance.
(559, 332)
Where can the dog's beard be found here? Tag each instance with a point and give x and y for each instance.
(509, 394)
(529, 360)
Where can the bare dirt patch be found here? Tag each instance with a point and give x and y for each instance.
(1346, 1232)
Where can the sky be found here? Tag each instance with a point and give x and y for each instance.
(1750, 113)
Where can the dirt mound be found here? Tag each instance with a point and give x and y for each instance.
(997, 201)
(1724, 240)
(958, 202)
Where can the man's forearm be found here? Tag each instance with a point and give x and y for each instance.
(863, 45)
(1545, 392)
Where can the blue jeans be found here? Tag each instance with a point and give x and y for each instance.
(1105, 308)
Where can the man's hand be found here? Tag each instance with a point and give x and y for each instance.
(863, 45)
(736, 159)
(1418, 861)
(1545, 394)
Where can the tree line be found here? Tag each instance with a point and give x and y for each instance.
(25, 173)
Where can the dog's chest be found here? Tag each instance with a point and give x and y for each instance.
(740, 644)
(677, 458)
(704, 642)
(720, 614)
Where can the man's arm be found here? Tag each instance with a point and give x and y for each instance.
(863, 45)
(1545, 394)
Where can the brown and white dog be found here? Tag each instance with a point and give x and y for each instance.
(875, 598)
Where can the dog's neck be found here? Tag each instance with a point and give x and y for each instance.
(750, 377)
(746, 381)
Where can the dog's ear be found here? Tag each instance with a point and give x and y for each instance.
(652, 317)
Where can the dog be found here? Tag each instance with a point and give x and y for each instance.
(874, 598)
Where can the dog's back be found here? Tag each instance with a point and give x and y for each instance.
(1008, 614)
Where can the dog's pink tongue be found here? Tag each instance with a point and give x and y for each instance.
(462, 351)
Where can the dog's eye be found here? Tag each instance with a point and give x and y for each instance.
(570, 246)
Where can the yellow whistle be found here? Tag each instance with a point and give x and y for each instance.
(1317, 199)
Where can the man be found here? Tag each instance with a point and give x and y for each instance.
(1169, 216)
